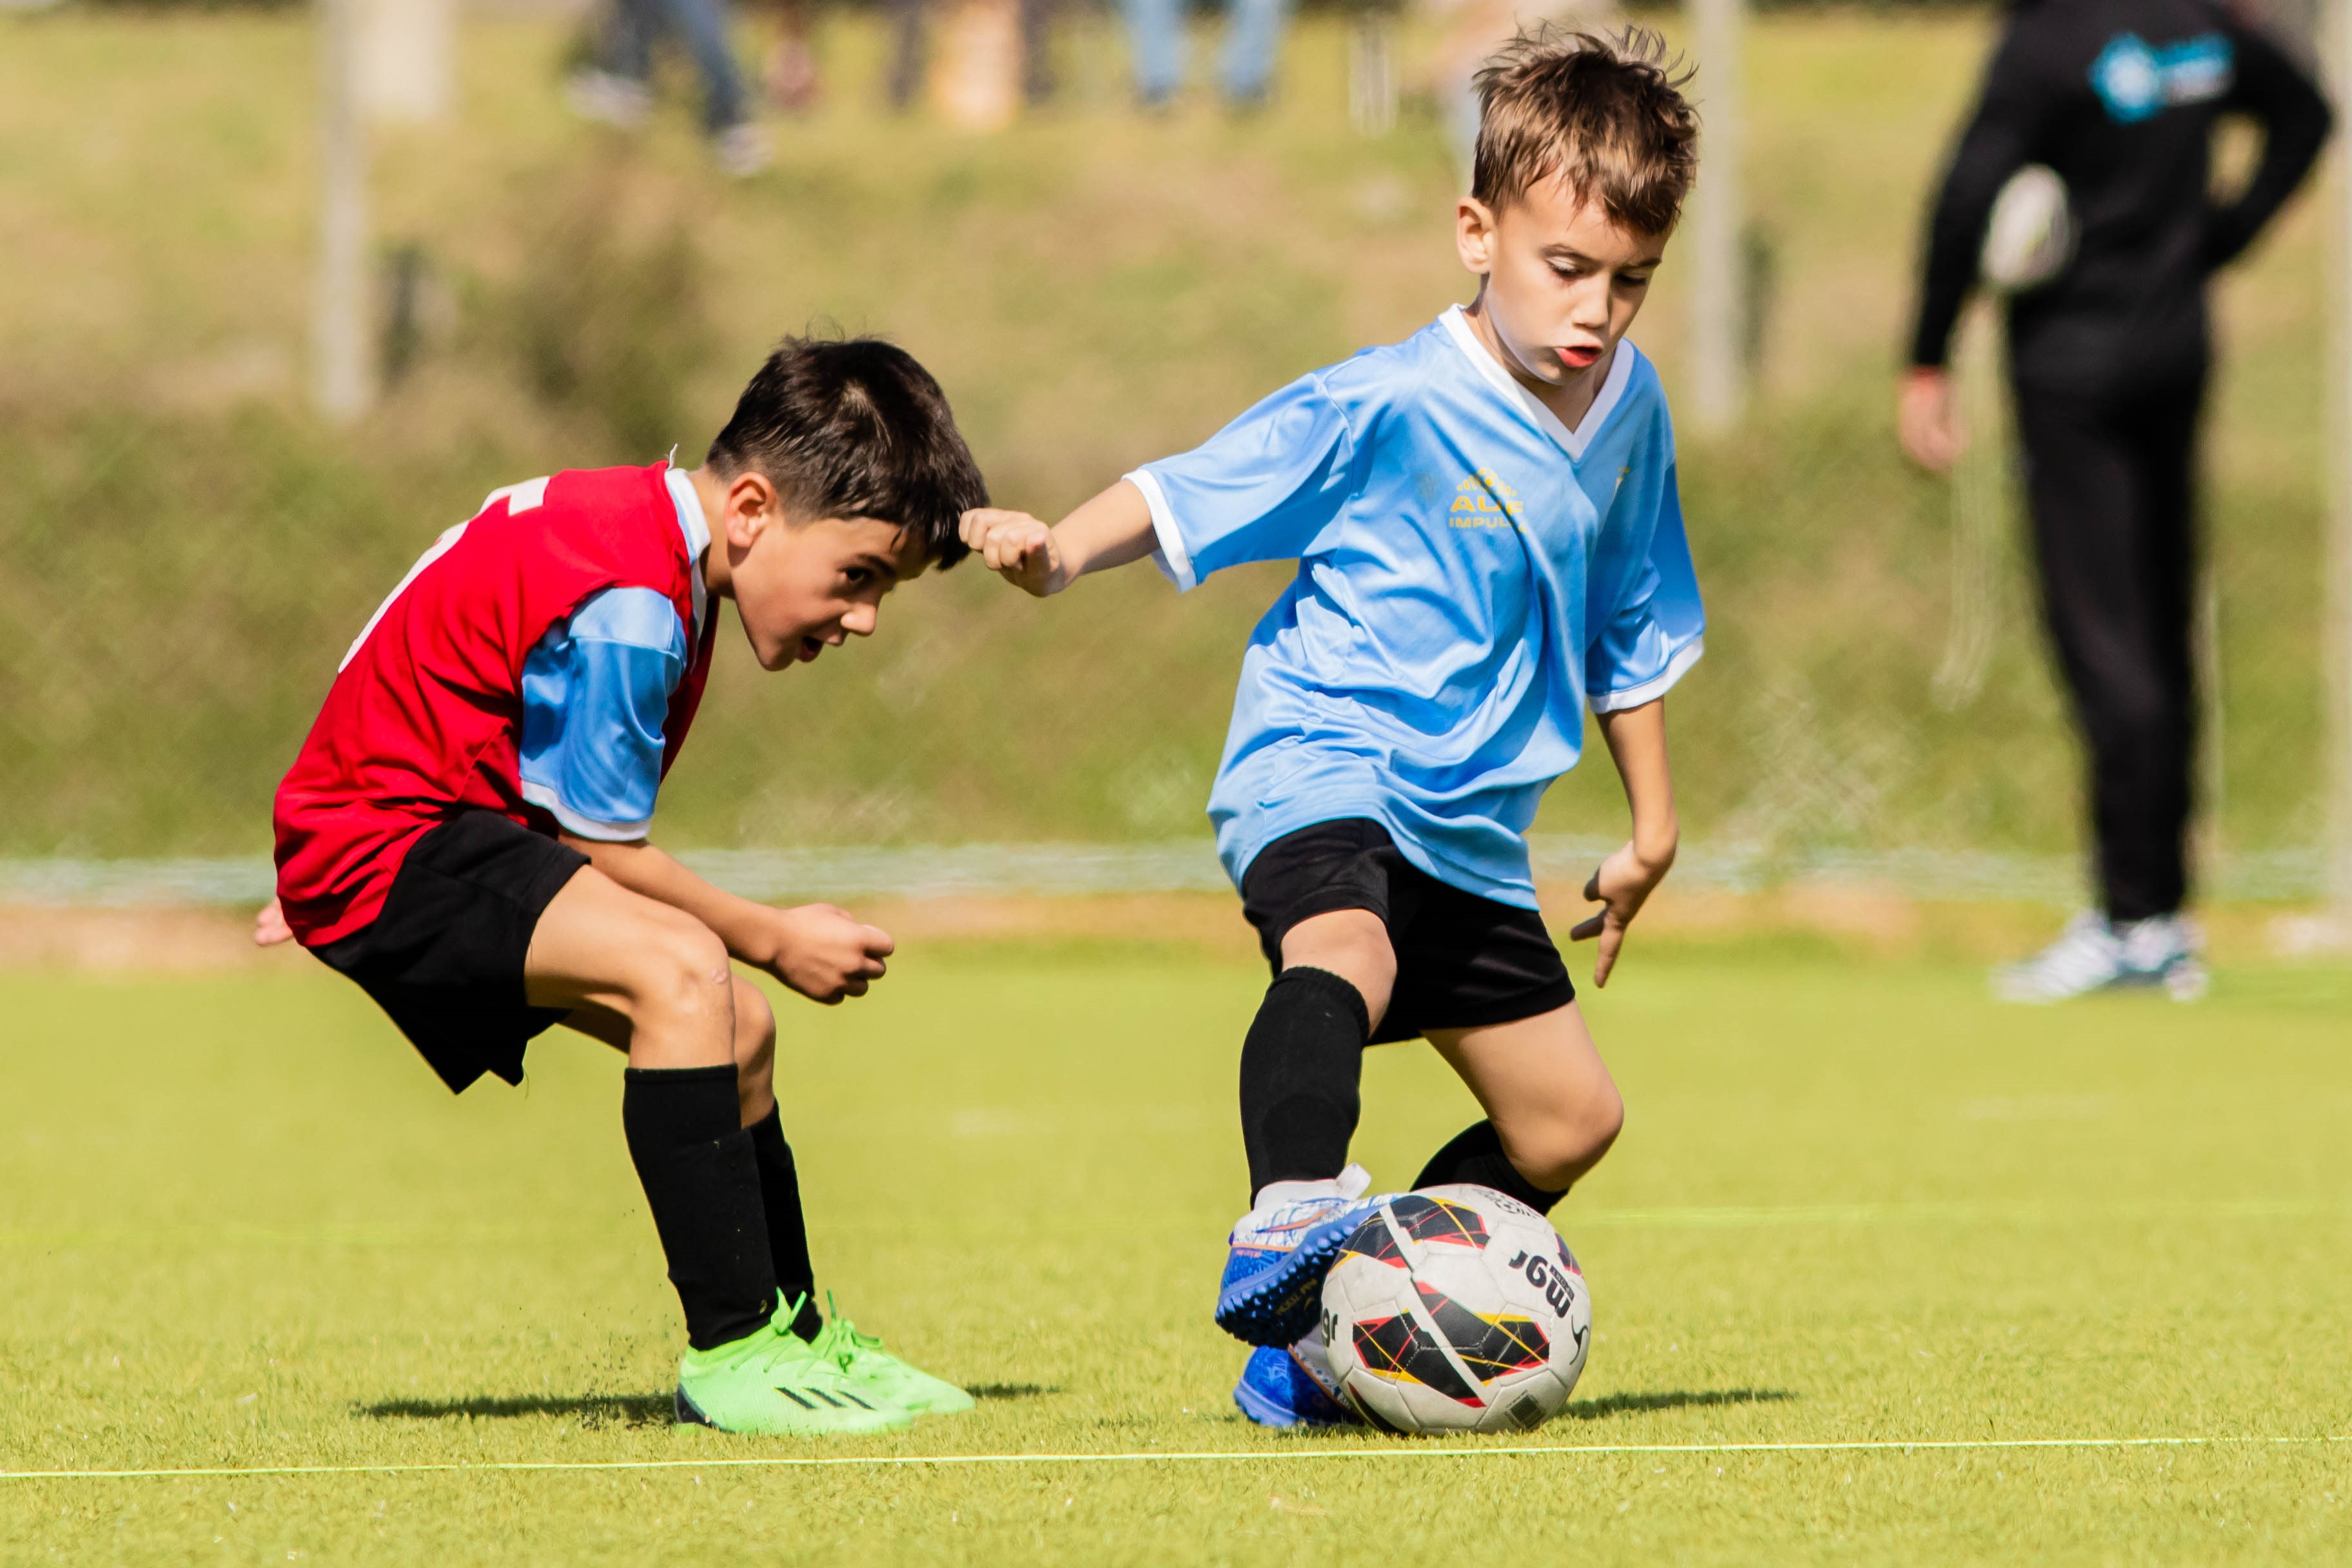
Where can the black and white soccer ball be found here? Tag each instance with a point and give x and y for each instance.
(2029, 238)
(1456, 1308)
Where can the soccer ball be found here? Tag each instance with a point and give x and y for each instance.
(1455, 1309)
(2029, 238)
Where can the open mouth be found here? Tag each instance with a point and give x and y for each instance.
(809, 648)
(1581, 357)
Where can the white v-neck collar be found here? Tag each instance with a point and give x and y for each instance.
(698, 539)
(1605, 403)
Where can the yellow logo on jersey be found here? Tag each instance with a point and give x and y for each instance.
(1484, 500)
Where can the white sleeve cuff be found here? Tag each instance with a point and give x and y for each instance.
(580, 826)
(1655, 686)
(1174, 562)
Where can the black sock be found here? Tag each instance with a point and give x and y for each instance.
(1302, 1066)
(1477, 1155)
(779, 1196)
(702, 1184)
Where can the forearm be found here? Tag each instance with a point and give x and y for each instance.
(1636, 738)
(1947, 268)
(2295, 119)
(1113, 529)
(2289, 151)
(1946, 274)
(2000, 139)
(747, 928)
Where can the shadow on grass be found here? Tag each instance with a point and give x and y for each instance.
(588, 1409)
(601, 1409)
(1615, 1405)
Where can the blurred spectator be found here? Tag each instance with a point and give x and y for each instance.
(616, 90)
(1037, 50)
(909, 50)
(789, 75)
(2108, 355)
(1253, 40)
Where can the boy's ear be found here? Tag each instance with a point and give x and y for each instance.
(752, 507)
(1474, 234)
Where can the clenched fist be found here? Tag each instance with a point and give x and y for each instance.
(826, 954)
(1017, 548)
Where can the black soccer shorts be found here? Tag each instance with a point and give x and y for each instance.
(443, 958)
(1463, 961)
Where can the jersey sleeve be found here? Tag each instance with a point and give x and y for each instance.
(2267, 84)
(1261, 489)
(1658, 628)
(2007, 131)
(595, 696)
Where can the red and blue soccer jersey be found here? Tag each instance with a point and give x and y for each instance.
(542, 660)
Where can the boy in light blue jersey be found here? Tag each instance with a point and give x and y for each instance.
(1489, 544)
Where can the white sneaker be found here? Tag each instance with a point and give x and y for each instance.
(743, 150)
(2091, 954)
(1272, 1289)
(2166, 950)
(607, 98)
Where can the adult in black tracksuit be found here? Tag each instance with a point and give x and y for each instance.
(2109, 360)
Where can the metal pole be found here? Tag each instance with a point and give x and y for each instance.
(2335, 445)
(1718, 371)
(341, 378)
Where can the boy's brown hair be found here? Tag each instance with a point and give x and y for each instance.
(1607, 115)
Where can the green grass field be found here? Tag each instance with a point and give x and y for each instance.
(243, 1228)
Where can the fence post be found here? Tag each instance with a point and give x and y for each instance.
(1372, 73)
(1718, 272)
(343, 381)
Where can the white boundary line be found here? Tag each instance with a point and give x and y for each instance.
(1238, 1456)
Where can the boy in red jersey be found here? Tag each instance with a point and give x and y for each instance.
(464, 832)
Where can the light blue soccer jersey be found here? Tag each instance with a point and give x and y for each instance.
(595, 697)
(1472, 576)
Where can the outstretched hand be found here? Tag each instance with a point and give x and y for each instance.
(270, 927)
(1622, 885)
(826, 954)
(1017, 548)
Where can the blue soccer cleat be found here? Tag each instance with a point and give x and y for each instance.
(1291, 1387)
(1272, 1292)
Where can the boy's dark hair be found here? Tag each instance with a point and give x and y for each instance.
(1605, 114)
(856, 427)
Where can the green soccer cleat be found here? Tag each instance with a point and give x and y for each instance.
(771, 1383)
(881, 1377)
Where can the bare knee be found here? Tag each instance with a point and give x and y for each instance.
(677, 982)
(1555, 1151)
(755, 1052)
(1352, 944)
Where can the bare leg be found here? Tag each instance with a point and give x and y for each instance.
(755, 1043)
(1546, 1090)
(1352, 944)
(655, 982)
(657, 969)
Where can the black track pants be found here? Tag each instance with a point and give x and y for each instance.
(2110, 478)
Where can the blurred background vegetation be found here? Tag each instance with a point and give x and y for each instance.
(185, 552)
